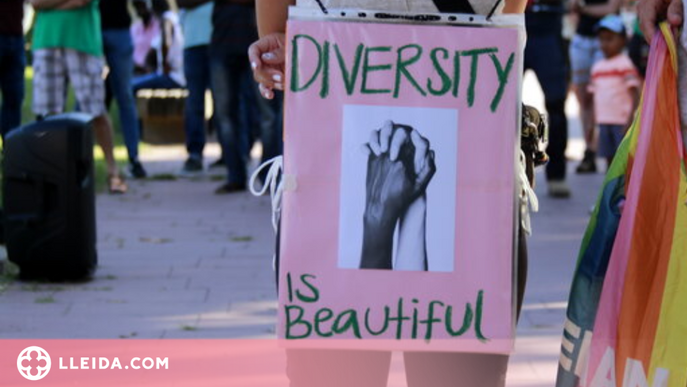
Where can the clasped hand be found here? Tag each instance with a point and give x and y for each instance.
(400, 166)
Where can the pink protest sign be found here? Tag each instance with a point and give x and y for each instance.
(399, 231)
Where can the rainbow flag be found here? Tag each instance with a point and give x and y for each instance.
(626, 322)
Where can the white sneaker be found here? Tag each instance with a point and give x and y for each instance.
(559, 189)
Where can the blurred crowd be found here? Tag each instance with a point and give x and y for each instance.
(595, 50)
(591, 48)
(111, 49)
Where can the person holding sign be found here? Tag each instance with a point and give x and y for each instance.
(400, 166)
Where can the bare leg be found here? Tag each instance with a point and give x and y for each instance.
(337, 368)
(104, 137)
(455, 369)
(586, 101)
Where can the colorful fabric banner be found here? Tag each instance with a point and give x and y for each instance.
(626, 315)
(401, 141)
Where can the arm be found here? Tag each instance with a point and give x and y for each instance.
(377, 249)
(397, 149)
(412, 240)
(412, 226)
(46, 4)
(72, 4)
(267, 54)
(515, 6)
(188, 4)
(650, 12)
(167, 32)
(272, 15)
(58, 4)
(601, 10)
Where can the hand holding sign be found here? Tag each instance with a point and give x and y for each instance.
(267, 59)
(400, 166)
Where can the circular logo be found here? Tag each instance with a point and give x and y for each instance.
(33, 363)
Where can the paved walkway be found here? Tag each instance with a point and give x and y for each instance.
(177, 261)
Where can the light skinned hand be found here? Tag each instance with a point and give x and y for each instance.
(651, 12)
(267, 59)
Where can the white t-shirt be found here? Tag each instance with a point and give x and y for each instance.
(175, 54)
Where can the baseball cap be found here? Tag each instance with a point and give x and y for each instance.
(612, 23)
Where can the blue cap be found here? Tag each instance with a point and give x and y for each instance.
(612, 23)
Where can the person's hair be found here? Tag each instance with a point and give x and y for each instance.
(160, 7)
(622, 34)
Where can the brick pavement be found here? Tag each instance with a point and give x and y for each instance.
(177, 261)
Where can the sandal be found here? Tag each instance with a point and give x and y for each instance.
(116, 185)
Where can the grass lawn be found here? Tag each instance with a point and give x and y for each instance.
(120, 149)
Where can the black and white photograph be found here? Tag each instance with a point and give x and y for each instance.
(398, 188)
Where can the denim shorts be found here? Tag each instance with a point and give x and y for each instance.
(584, 52)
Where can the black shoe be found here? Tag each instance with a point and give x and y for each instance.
(228, 188)
(137, 171)
(192, 165)
(588, 164)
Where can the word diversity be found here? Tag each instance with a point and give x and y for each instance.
(356, 72)
(307, 319)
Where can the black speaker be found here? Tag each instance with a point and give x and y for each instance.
(49, 198)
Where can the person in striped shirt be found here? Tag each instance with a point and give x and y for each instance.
(615, 84)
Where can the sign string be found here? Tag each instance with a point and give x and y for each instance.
(322, 7)
(493, 10)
